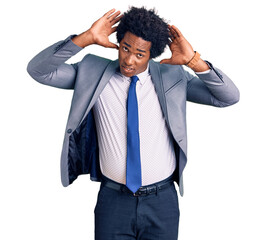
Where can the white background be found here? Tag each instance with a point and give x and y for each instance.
(225, 176)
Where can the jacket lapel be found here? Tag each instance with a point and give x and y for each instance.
(109, 71)
(158, 84)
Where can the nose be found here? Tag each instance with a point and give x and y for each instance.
(129, 60)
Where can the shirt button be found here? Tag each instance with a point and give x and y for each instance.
(69, 130)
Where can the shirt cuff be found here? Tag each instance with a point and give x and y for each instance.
(207, 71)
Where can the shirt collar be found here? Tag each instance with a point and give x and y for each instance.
(142, 76)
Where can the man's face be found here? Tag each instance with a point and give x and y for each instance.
(134, 55)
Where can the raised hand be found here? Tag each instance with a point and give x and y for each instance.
(182, 51)
(100, 31)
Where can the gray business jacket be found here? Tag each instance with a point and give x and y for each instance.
(173, 85)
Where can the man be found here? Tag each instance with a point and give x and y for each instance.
(127, 122)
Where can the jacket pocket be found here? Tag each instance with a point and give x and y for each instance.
(173, 86)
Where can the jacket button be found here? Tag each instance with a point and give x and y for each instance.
(69, 130)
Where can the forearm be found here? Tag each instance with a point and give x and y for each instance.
(201, 66)
(84, 39)
(213, 88)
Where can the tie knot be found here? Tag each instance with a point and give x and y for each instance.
(134, 79)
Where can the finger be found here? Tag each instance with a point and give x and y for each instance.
(173, 33)
(117, 19)
(109, 13)
(166, 61)
(177, 31)
(111, 45)
(113, 29)
(171, 36)
(112, 17)
(170, 41)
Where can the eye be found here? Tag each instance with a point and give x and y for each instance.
(125, 49)
(139, 55)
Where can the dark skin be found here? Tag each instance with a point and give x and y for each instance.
(134, 55)
(129, 59)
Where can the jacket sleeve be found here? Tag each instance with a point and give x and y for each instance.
(213, 88)
(49, 67)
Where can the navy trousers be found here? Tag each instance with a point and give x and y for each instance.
(121, 216)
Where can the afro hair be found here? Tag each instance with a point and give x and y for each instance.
(147, 25)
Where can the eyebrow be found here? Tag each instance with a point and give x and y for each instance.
(137, 48)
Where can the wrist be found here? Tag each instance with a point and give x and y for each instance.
(197, 64)
(84, 39)
(194, 60)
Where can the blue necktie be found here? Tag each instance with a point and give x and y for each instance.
(133, 175)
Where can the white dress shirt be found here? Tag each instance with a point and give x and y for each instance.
(156, 147)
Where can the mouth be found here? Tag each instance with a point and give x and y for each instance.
(127, 69)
